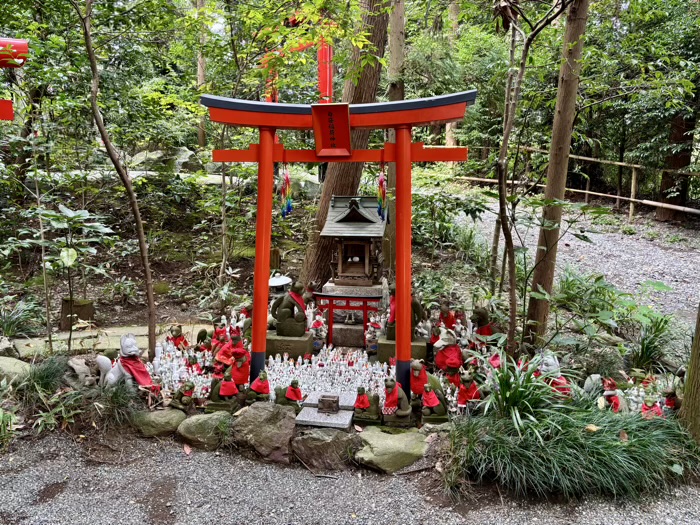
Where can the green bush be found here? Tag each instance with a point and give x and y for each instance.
(19, 318)
(41, 382)
(575, 453)
(115, 406)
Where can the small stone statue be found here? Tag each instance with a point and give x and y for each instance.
(468, 391)
(290, 311)
(397, 409)
(416, 314)
(129, 365)
(366, 407)
(433, 402)
(446, 347)
(482, 327)
(291, 396)
(182, 399)
(319, 331)
(447, 316)
(224, 389)
(259, 390)
(177, 338)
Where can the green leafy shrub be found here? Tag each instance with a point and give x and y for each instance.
(116, 405)
(41, 382)
(648, 351)
(518, 394)
(7, 422)
(19, 318)
(60, 410)
(573, 454)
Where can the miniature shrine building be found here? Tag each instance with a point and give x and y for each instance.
(357, 228)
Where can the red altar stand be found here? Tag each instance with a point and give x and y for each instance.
(331, 124)
(13, 54)
(331, 303)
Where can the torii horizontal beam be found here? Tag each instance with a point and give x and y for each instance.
(383, 115)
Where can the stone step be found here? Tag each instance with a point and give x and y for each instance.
(346, 399)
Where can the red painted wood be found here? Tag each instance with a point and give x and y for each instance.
(403, 244)
(332, 129)
(6, 110)
(13, 52)
(325, 72)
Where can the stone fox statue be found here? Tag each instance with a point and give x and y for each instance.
(290, 311)
(129, 365)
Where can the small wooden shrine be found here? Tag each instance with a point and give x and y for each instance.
(357, 228)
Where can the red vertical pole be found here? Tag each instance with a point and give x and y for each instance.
(325, 72)
(263, 243)
(330, 322)
(403, 256)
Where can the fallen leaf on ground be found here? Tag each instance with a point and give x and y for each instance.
(187, 449)
(359, 428)
(592, 428)
(624, 436)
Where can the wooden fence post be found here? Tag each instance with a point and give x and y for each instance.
(633, 194)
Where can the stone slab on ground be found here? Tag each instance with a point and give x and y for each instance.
(353, 291)
(266, 428)
(294, 346)
(387, 349)
(346, 399)
(311, 417)
(325, 448)
(100, 339)
(205, 431)
(390, 452)
(348, 335)
(11, 368)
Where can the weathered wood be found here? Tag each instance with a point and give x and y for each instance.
(633, 193)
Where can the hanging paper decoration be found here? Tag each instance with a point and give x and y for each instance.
(286, 193)
(381, 195)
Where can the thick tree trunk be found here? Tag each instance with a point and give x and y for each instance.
(690, 409)
(344, 178)
(397, 41)
(453, 15)
(201, 78)
(120, 169)
(674, 188)
(565, 110)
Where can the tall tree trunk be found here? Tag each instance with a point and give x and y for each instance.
(565, 110)
(201, 77)
(621, 158)
(120, 169)
(453, 15)
(690, 409)
(674, 188)
(344, 178)
(397, 41)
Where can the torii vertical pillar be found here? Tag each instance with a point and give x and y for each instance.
(404, 334)
(263, 244)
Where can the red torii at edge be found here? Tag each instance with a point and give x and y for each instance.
(332, 124)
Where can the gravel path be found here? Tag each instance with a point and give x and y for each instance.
(54, 481)
(649, 251)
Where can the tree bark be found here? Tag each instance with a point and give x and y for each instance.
(201, 78)
(453, 15)
(690, 409)
(564, 113)
(674, 188)
(397, 41)
(120, 169)
(344, 178)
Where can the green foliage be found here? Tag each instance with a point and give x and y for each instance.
(7, 422)
(59, 410)
(19, 318)
(122, 290)
(436, 217)
(115, 406)
(574, 454)
(648, 351)
(517, 393)
(41, 382)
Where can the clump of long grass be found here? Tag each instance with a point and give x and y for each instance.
(648, 352)
(571, 453)
(19, 318)
(115, 406)
(41, 382)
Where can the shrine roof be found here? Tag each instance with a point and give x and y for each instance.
(353, 217)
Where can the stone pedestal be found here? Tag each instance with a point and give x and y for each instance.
(310, 416)
(294, 346)
(435, 420)
(352, 335)
(387, 349)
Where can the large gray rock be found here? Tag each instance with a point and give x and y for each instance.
(268, 429)
(390, 452)
(159, 422)
(7, 349)
(11, 368)
(79, 374)
(206, 431)
(325, 448)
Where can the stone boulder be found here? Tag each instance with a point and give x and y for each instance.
(11, 368)
(206, 431)
(268, 429)
(325, 448)
(79, 374)
(159, 422)
(390, 452)
(7, 349)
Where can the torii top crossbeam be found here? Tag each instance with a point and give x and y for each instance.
(332, 124)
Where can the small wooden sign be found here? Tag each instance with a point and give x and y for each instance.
(332, 129)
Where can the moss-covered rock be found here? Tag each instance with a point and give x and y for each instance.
(206, 431)
(390, 452)
(159, 422)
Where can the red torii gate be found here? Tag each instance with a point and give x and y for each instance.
(332, 124)
(13, 54)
